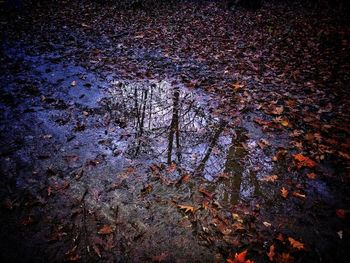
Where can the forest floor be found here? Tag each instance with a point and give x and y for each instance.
(177, 133)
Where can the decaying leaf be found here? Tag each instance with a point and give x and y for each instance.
(271, 253)
(187, 208)
(105, 230)
(284, 192)
(296, 244)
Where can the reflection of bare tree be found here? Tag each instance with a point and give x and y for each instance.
(234, 166)
(166, 124)
(212, 144)
(174, 128)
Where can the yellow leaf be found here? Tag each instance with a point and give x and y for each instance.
(187, 208)
(296, 244)
(284, 123)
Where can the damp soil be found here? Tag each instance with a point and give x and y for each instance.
(97, 167)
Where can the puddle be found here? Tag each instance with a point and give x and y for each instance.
(175, 127)
(132, 151)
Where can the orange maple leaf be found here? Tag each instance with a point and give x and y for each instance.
(303, 161)
(284, 192)
(240, 258)
(296, 244)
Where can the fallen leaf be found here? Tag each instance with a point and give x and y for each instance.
(270, 178)
(187, 208)
(206, 193)
(267, 224)
(105, 230)
(240, 258)
(296, 244)
(303, 161)
(340, 213)
(271, 253)
(297, 194)
(311, 176)
(284, 192)
(237, 86)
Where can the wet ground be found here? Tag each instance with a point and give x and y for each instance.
(97, 166)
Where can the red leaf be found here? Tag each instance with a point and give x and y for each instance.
(340, 213)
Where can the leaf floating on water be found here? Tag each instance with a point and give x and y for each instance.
(105, 230)
(284, 192)
(187, 208)
(296, 244)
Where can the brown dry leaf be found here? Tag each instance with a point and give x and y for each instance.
(297, 194)
(271, 253)
(187, 208)
(105, 230)
(296, 244)
(206, 193)
(284, 192)
(237, 86)
(270, 178)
